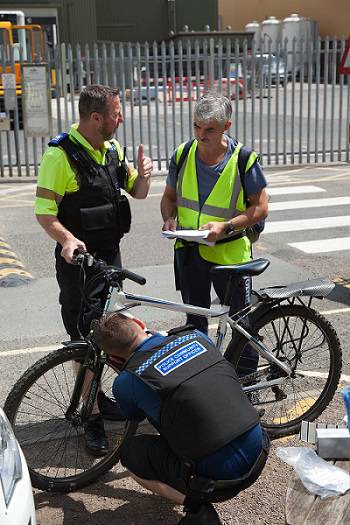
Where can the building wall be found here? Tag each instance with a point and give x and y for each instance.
(333, 17)
(141, 20)
(86, 21)
(76, 18)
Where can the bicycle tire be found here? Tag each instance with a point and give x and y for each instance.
(53, 446)
(317, 367)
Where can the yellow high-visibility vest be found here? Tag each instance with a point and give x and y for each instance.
(225, 201)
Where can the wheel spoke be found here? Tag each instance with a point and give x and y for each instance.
(306, 342)
(54, 446)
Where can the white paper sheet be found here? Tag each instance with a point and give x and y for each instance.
(189, 235)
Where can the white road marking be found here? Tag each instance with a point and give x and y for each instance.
(323, 375)
(336, 311)
(323, 245)
(286, 190)
(289, 190)
(35, 350)
(47, 349)
(309, 203)
(158, 183)
(17, 189)
(307, 224)
(50, 348)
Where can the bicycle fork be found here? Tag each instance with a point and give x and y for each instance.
(87, 392)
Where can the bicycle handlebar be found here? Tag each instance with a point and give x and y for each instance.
(112, 273)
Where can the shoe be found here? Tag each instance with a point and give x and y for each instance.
(95, 438)
(109, 408)
(205, 515)
(254, 398)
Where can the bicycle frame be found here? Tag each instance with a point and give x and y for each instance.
(124, 300)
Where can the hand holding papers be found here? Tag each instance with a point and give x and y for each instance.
(189, 235)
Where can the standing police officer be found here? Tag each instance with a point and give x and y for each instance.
(210, 443)
(80, 205)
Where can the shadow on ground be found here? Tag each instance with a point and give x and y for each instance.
(105, 504)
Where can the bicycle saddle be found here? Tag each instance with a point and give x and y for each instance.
(255, 267)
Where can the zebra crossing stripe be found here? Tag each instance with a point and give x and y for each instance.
(323, 245)
(12, 271)
(306, 224)
(289, 190)
(309, 203)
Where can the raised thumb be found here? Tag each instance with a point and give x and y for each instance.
(141, 152)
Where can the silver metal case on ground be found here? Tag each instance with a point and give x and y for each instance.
(333, 443)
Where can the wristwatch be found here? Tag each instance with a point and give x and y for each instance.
(230, 228)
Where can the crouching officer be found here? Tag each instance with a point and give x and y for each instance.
(210, 444)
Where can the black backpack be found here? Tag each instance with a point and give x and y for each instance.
(252, 232)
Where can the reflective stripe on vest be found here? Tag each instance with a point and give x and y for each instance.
(224, 202)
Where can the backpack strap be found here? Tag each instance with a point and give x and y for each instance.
(243, 157)
(183, 156)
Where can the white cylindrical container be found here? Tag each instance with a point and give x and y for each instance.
(270, 32)
(294, 28)
(254, 27)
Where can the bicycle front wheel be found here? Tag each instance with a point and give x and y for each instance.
(54, 446)
(307, 342)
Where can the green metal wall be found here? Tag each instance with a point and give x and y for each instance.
(79, 21)
(131, 21)
(196, 14)
(137, 20)
(148, 20)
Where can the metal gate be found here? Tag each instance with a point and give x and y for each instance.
(290, 105)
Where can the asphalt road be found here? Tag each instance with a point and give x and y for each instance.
(30, 323)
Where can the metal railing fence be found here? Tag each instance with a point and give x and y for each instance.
(290, 105)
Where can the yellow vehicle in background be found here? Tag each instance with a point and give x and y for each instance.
(20, 44)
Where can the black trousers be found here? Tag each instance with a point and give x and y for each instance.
(194, 280)
(76, 315)
(150, 457)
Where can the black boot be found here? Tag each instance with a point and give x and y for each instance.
(200, 514)
(95, 438)
(109, 408)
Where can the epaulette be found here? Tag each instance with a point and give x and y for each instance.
(58, 139)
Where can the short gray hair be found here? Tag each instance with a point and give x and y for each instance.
(213, 106)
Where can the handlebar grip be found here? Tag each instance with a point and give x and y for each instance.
(134, 277)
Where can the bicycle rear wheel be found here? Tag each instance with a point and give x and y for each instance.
(307, 342)
(54, 447)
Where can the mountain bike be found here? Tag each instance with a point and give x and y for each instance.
(293, 377)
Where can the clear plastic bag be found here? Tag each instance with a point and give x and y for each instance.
(319, 476)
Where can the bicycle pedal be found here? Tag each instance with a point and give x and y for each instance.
(279, 393)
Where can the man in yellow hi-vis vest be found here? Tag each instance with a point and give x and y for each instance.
(206, 193)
